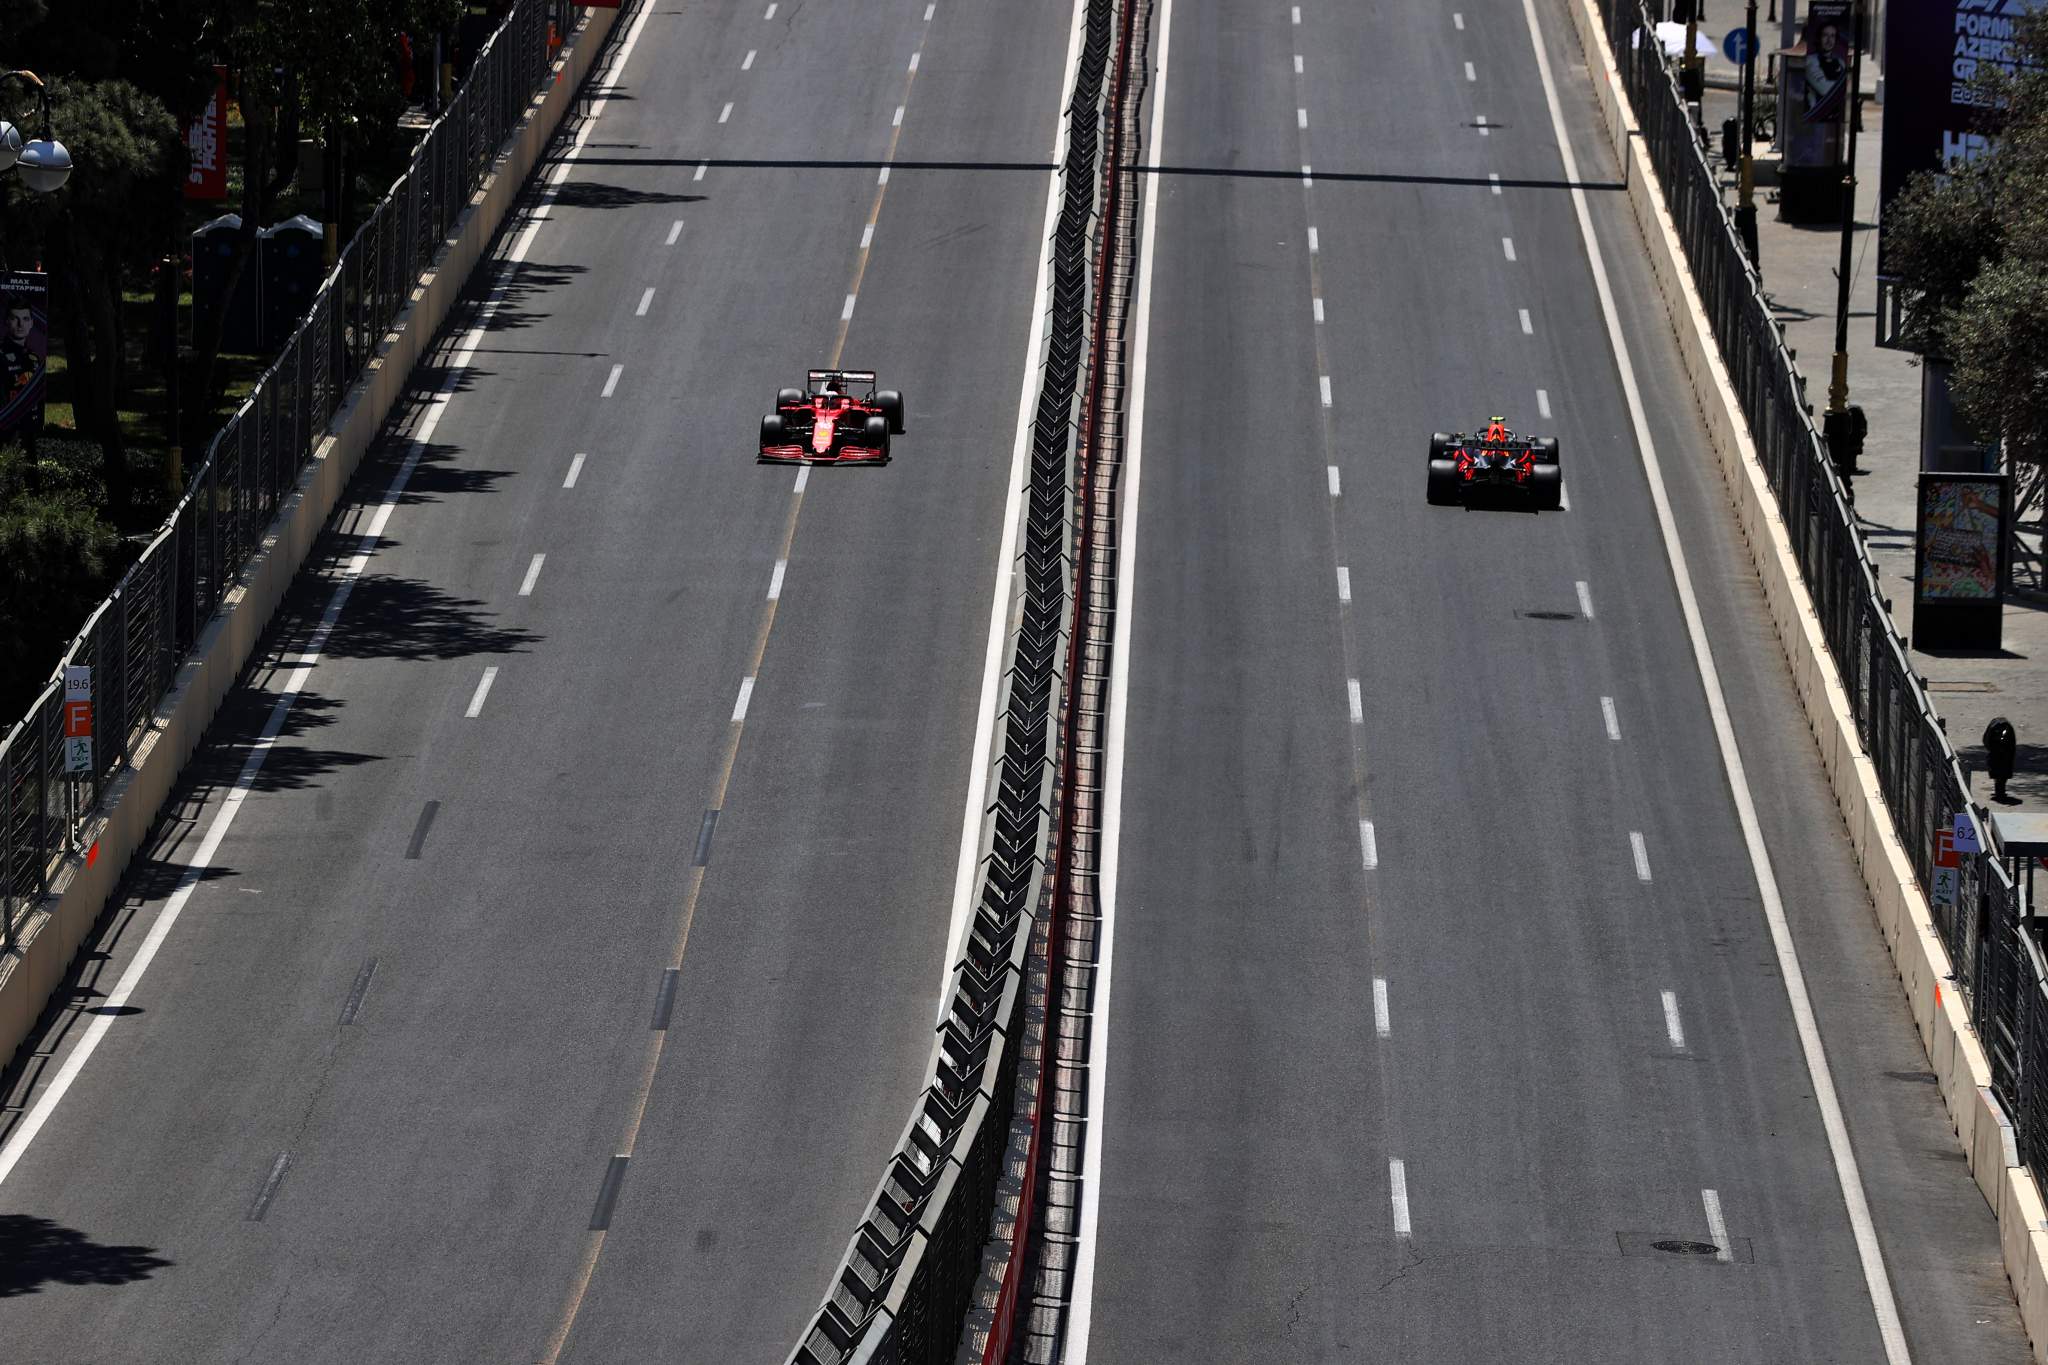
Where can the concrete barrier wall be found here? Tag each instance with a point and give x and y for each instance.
(1953, 1051)
(57, 929)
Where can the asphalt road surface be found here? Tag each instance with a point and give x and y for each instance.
(1442, 989)
(365, 1102)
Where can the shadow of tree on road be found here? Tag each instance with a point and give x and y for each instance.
(404, 618)
(35, 1252)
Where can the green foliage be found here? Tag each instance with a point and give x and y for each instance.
(1971, 248)
(58, 558)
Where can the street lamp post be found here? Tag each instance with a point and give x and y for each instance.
(1840, 426)
(43, 161)
(1745, 208)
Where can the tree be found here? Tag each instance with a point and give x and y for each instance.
(1970, 246)
(58, 558)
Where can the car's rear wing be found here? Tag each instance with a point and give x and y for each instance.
(817, 379)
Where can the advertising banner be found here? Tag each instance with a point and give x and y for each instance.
(1816, 75)
(1961, 530)
(1933, 117)
(24, 349)
(206, 140)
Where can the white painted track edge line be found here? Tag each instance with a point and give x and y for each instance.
(39, 1115)
(1717, 1225)
(1877, 1279)
(1006, 554)
(1081, 1303)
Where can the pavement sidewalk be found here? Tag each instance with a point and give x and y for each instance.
(1799, 265)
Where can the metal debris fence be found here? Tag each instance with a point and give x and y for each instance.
(1998, 964)
(136, 639)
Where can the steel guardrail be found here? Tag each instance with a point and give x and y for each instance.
(901, 1290)
(137, 638)
(1985, 929)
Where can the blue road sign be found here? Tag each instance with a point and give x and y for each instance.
(1739, 45)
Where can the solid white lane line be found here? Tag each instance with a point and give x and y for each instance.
(748, 64)
(1470, 73)
(611, 381)
(803, 477)
(1336, 484)
(1082, 1306)
(775, 580)
(1300, 117)
(1315, 243)
(1397, 1178)
(1613, 721)
(195, 870)
(646, 299)
(1717, 1226)
(867, 235)
(1343, 584)
(483, 689)
(1459, 20)
(883, 178)
(1673, 1029)
(1297, 63)
(675, 230)
(739, 708)
(702, 167)
(1493, 181)
(1319, 309)
(575, 468)
(532, 575)
(1642, 852)
(1324, 382)
(1585, 599)
(897, 121)
(1507, 246)
(1847, 1173)
(1357, 702)
(1543, 402)
(913, 60)
(1528, 327)
(1382, 1019)
(1368, 845)
(847, 312)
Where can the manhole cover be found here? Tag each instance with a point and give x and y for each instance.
(1679, 1247)
(1548, 615)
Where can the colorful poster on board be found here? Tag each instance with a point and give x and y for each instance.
(1961, 527)
(24, 350)
(1830, 38)
(206, 142)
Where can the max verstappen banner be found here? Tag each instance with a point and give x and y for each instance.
(1933, 117)
(24, 350)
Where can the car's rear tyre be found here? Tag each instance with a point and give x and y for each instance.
(1545, 448)
(876, 433)
(1546, 483)
(1443, 483)
(890, 402)
(774, 432)
(789, 398)
(1440, 446)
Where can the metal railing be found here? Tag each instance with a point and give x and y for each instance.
(1983, 924)
(137, 638)
(901, 1292)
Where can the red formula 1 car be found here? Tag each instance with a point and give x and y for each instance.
(843, 419)
(1496, 461)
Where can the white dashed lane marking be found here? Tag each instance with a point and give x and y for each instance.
(1493, 180)
(1459, 20)
(575, 468)
(1315, 243)
(1343, 584)
(1642, 852)
(1397, 1178)
(769, 15)
(1336, 485)
(1297, 14)
(532, 575)
(483, 689)
(1483, 129)
(702, 167)
(1301, 118)
(646, 299)
(803, 478)
(867, 235)
(897, 122)
(1382, 1020)
(1507, 246)
(1297, 63)
(1585, 599)
(1470, 73)
(739, 708)
(913, 60)
(1607, 714)
(775, 580)
(1368, 845)
(1356, 700)
(1717, 1226)
(846, 313)
(1528, 327)
(883, 178)
(1319, 309)
(1324, 380)
(611, 381)
(748, 64)
(1674, 1029)
(675, 230)
(1543, 402)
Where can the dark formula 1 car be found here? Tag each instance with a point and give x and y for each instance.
(842, 419)
(1495, 461)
